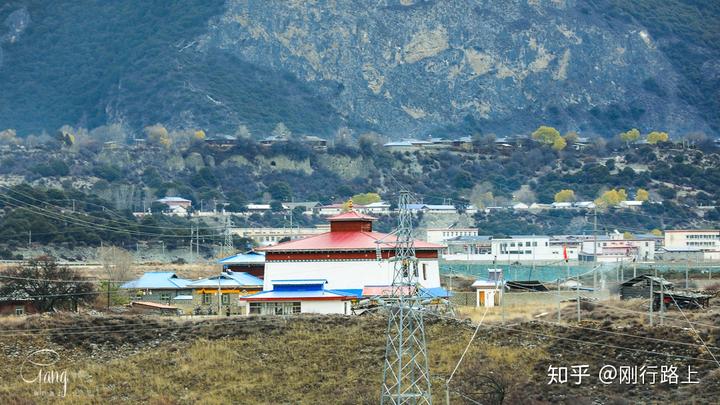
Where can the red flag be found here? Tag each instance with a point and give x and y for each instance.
(565, 253)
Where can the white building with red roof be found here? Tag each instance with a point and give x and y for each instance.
(351, 257)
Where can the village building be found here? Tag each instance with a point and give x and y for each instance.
(488, 293)
(349, 257)
(441, 235)
(257, 208)
(17, 306)
(175, 202)
(287, 297)
(158, 286)
(250, 262)
(376, 208)
(432, 208)
(615, 248)
(706, 241)
(221, 294)
(640, 286)
(271, 236)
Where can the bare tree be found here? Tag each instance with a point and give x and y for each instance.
(117, 263)
(48, 284)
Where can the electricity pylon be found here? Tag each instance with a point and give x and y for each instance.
(406, 377)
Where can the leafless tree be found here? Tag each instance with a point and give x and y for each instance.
(48, 284)
(117, 263)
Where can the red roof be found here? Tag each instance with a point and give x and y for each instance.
(343, 241)
(351, 216)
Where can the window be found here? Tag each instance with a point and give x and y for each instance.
(19, 310)
(165, 296)
(225, 298)
(255, 308)
(207, 298)
(527, 243)
(424, 271)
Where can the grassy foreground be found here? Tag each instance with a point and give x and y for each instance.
(325, 359)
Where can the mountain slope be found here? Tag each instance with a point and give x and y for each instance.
(394, 66)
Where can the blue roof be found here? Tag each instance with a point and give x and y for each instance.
(300, 289)
(435, 292)
(244, 258)
(228, 279)
(158, 280)
(299, 294)
(350, 291)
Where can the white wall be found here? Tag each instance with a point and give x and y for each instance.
(354, 274)
(323, 307)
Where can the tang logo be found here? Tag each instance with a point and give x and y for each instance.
(39, 368)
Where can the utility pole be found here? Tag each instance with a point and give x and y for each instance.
(558, 299)
(662, 303)
(191, 244)
(29, 239)
(595, 258)
(651, 302)
(406, 376)
(108, 295)
(577, 289)
(687, 270)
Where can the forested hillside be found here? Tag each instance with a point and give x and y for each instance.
(96, 187)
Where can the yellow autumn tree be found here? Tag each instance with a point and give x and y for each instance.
(559, 144)
(611, 198)
(347, 205)
(642, 195)
(628, 235)
(630, 136)
(366, 198)
(565, 196)
(199, 135)
(655, 137)
(656, 232)
(546, 135)
(158, 135)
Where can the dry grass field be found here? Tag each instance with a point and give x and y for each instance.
(336, 359)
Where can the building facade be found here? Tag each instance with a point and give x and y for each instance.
(441, 235)
(706, 241)
(221, 294)
(271, 236)
(349, 257)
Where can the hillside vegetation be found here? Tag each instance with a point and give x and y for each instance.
(222, 65)
(84, 194)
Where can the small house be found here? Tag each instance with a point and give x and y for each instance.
(17, 306)
(221, 293)
(487, 293)
(640, 286)
(175, 202)
(157, 286)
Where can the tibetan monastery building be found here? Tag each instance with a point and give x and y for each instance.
(350, 257)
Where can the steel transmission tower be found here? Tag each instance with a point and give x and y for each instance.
(406, 378)
(228, 243)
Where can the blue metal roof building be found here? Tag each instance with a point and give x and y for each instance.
(158, 280)
(228, 279)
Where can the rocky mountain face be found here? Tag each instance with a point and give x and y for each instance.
(399, 67)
